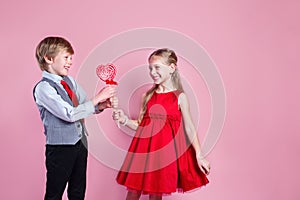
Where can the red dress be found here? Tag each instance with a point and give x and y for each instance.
(160, 159)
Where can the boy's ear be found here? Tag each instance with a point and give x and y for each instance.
(48, 60)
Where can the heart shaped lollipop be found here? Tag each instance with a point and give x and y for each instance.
(107, 73)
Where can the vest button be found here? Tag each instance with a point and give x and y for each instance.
(78, 125)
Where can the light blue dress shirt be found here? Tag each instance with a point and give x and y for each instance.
(47, 97)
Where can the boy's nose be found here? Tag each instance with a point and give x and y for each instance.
(69, 62)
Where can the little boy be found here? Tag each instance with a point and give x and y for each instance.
(63, 106)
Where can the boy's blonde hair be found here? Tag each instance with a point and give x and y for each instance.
(170, 58)
(50, 47)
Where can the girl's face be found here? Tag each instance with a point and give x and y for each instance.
(160, 71)
(61, 63)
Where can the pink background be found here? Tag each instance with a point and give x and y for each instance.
(254, 44)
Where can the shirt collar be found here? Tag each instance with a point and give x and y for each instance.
(53, 77)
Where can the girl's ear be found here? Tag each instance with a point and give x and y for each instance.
(173, 67)
(48, 60)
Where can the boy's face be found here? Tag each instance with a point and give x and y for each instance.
(60, 64)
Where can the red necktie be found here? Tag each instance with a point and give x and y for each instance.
(71, 94)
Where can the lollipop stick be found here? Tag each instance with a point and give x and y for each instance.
(114, 110)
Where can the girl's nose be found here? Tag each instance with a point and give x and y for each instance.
(152, 71)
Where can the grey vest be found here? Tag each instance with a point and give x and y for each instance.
(58, 131)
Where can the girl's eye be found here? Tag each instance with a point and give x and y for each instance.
(156, 67)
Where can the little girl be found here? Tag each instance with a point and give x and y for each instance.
(165, 154)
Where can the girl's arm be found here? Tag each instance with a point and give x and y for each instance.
(123, 119)
(192, 133)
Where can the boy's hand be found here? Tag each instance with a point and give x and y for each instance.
(104, 94)
(108, 103)
(105, 104)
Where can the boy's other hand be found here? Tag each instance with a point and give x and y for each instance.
(105, 104)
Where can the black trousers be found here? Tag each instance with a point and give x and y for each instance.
(66, 164)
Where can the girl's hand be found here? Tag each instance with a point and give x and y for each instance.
(119, 116)
(203, 165)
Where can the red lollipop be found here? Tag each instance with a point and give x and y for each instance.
(107, 73)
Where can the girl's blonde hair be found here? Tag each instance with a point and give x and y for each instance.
(170, 58)
(50, 47)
